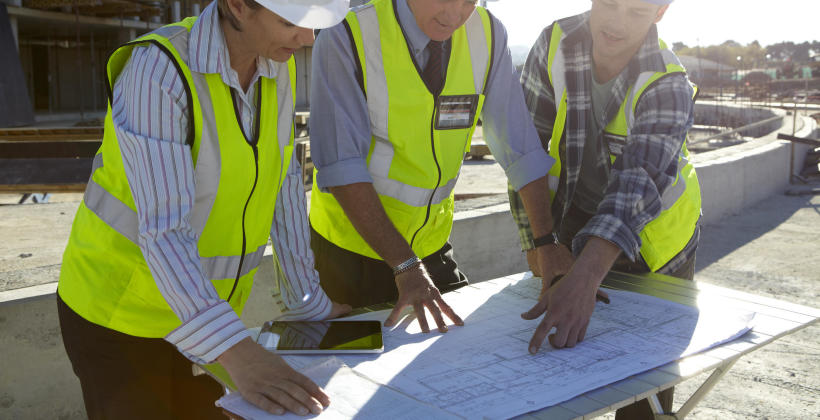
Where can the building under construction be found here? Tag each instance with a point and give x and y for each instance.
(54, 54)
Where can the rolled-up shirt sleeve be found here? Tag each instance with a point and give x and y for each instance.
(540, 107)
(647, 167)
(339, 123)
(150, 117)
(508, 128)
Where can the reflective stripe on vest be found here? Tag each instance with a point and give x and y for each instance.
(665, 236)
(413, 164)
(105, 277)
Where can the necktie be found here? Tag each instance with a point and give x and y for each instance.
(432, 71)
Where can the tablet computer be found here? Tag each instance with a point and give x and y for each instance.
(322, 337)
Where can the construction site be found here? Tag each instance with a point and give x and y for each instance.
(755, 145)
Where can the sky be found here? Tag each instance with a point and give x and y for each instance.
(693, 22)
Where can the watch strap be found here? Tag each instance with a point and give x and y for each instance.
(548, 239)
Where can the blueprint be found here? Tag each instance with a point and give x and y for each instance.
(483, 370)
(351, 396)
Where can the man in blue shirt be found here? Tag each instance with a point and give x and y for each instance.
(343, 143)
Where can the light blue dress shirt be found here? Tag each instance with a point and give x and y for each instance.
(340, 124)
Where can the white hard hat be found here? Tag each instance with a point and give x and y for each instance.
(314, 14)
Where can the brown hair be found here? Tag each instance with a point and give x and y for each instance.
(225, 12)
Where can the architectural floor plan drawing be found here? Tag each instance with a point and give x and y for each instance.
(483, 370)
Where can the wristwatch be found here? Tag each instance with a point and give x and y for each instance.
(548, 239)
(406, 265)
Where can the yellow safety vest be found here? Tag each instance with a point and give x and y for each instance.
(667, 235)
(104, 276)
(414, 157)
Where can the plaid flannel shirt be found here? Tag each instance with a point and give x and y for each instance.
(647, 166)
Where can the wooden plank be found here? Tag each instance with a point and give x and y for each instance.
(556, 412)
(586, 406)
(691, 365)
(611, 397)
(42, 188)
(659, 378)
(761, 300)
(722, 352)
(17, 172)
(810, 142)
(773, 326)
(649, 290)
(49, 149)
(636, 387)
(762, 309)
(54, 133)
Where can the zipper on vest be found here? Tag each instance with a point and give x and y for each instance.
(438, 181)
(252, 142)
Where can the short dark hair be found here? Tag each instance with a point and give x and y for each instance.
(225, 12)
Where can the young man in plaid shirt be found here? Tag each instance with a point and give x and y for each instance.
(612, 105)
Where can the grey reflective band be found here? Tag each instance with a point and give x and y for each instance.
(379, 169)
(97, 163)
(413, 196)
(552, 181)
(479, 53)
(375, 77)
(217, 268)
(675, 191)
(558, 78)
(285, 106)
(632, 98)
(669, 58)
(112, 211)
(177, 35)
(208, 164)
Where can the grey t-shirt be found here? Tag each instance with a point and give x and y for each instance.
(593, 178)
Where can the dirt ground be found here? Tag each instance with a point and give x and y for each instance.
(772, 250)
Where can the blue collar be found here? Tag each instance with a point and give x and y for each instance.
(415, 36)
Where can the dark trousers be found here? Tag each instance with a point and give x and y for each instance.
(348, 277)
(569, 227)
(127, 377)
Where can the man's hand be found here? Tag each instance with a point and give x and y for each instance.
(339, 309)
(416, 289)
(570, 302)
(552, 261)
(266, 380)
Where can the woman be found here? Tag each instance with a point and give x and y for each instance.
(192, 178)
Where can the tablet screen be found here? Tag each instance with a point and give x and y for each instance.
(322, 336)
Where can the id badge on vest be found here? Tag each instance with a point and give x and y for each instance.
(455, 111)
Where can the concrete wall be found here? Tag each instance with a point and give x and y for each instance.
(485, 243)
(734, 178)
(734, 116)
